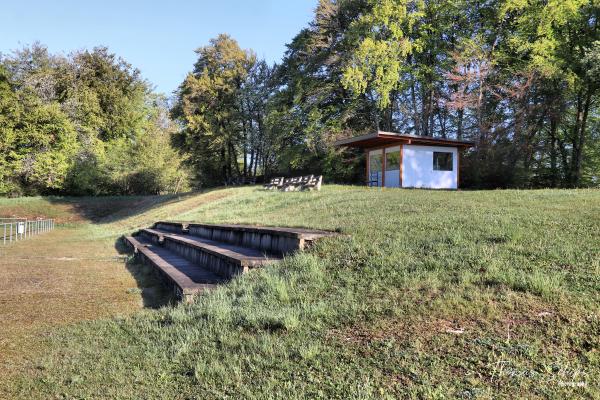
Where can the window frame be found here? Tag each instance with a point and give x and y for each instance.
(439, 167)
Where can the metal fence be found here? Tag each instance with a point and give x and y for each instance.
(15, 229)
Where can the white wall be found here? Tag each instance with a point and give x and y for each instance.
(417, 168)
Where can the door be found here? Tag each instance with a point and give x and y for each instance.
(375, 177)
(392, 167)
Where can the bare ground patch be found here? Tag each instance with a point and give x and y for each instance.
(56, 279)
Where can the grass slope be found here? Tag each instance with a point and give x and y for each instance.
(62, 277)
(433, 294)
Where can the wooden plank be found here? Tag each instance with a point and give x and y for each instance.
(234, 254)
(188, 277)
(302, 233)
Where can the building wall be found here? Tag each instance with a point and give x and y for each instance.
(418, 172)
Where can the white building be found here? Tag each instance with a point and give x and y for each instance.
(409, 161)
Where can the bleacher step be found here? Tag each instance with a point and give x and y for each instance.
(272, 240)
(195, 257)
(224, 259)
(187, 278)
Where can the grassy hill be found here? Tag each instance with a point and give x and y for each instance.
(430, 294)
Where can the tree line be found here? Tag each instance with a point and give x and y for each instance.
(520, 79)
(83, 124)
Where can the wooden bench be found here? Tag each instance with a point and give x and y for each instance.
(306, 182)
(275, 183)
(313, 183)
(291, 184)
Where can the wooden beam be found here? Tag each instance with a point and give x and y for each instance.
(457, 168)
(367, 166)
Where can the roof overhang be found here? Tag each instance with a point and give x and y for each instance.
(382, 139)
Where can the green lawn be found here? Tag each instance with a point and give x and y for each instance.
(429, 294)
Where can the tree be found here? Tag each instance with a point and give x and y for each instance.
(209, 108)
(9, 111)
(514, 76)
(37, 139)
(310, 108)
(83, 124)
(45, 144)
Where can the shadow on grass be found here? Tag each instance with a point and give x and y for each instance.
(150, 286)
(109, 209)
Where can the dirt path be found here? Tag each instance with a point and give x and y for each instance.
(55, 279)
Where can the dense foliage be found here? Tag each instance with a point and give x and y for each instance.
(518, 78)
(82, 124)
(521, 79)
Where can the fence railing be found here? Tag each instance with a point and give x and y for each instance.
(15, 229)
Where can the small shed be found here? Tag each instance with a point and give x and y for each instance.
(409, 161)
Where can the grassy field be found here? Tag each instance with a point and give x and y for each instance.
(431, 294)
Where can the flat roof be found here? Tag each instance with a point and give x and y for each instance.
(381, 138)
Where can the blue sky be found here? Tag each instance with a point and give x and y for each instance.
(157, 37)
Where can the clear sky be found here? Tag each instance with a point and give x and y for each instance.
(157, 37)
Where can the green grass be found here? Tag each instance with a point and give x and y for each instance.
(429, 294)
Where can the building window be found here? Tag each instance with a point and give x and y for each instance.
(392, 159)
(442, 161)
